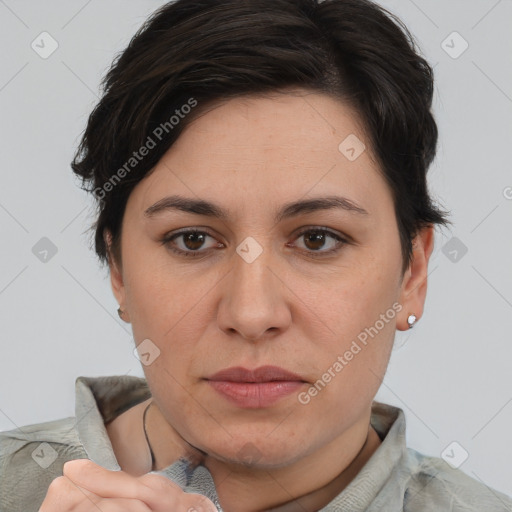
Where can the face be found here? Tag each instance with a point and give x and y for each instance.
(316, 291)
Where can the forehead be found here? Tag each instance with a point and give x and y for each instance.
(270, 148)
(303, 120)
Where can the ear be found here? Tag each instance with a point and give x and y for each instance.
(414, 283)
(116, 277)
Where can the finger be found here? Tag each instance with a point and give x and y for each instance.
(159, 483)
(161, 494)
(165, 491)
(199, 503)
(119, 505)
(104, 483)
(63, 495)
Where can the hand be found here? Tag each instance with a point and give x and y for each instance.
(87, 487)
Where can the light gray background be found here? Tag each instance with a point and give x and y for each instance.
(450, 374)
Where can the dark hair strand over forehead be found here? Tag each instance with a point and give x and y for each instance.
(190, 55)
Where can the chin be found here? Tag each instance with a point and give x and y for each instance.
(259, 452)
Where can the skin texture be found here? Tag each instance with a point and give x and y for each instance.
(287, 308)
(87, 487)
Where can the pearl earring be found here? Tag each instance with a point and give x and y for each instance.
(410, 320)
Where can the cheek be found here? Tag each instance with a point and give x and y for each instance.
(356, 298)
(156, 295)
(173, 398)
(361, 311)
(169, 310)
(350, 372)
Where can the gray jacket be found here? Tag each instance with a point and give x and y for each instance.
(394, 479)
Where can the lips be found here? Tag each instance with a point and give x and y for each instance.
(261, 374)
(255, 389)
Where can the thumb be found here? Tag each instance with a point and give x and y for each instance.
(199, 503)
(107, 484)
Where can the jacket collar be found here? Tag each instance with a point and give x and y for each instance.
(100, 399)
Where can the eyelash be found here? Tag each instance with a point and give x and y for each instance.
(196, 254)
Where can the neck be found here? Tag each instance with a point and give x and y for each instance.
(307, 485)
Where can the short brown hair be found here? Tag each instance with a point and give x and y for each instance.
(212, 50)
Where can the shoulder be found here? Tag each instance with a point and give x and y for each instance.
(31, 457)
(435, 485)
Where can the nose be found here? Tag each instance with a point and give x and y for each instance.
(255, 299)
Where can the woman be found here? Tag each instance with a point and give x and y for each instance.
(260, 170)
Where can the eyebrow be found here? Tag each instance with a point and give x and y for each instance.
(288, 210)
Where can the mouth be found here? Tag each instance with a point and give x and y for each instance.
(258, 388)
(261, 374)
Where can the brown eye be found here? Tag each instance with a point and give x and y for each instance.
(315, 242)
(316, 239)
(191, 243)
